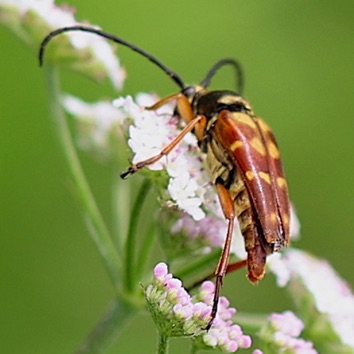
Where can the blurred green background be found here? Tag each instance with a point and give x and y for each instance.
(299, 63)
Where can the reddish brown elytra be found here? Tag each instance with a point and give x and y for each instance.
(243, 157)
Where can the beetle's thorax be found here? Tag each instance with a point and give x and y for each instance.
(211, 103)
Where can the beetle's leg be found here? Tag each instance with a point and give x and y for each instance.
(189, 127)
(228, 209)
(184, 110)
(230, 268)
(183, 106)
(236, 266)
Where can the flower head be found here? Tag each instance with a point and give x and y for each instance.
(176, 313)
(150, 132)
(287, 323)
(318, 289)
(223, 334)
(281, 334)
(89, 54)
(101, 128)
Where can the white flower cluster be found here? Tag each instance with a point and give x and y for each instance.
(331, 295)
(150, 132)
(32, 20)
(98, 124)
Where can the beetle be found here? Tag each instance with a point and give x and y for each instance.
(242, 155)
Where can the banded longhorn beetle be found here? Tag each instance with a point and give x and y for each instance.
(242, 155)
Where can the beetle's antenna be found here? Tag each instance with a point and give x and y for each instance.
(174, 76)
(238, 70)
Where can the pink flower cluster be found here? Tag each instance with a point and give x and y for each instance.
(223, 333)
(178, 314)
(211, 230)
(177, 297)
(287, 327)
(329, 294)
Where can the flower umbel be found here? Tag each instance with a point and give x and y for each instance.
(91, 55)
(171, 306)
(178, 314)
(318, 289)
(223, 334)
(101, 127)
(280, 335)
(151, 131)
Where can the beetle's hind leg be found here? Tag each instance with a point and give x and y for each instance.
(228, 209)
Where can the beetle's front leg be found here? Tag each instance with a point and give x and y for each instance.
(183, 106)
(184, 110)
(164, 152)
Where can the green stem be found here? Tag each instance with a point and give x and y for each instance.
(96, 225)
(195, 267)
(108, 328)
(145, 251)
(120, 210)
(163, 344)
(194, 349)
(130, 248)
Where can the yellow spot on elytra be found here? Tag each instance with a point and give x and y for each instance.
(273, 150)
(245, 119)
(273, 217)
(257, 144)
(250, 175)
(265, 176)
(285, 220)
(235, 145)
(281, 181)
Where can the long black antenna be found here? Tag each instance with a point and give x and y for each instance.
(238, 71)
(174, 76)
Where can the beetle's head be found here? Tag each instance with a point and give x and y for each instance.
(192, 91)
